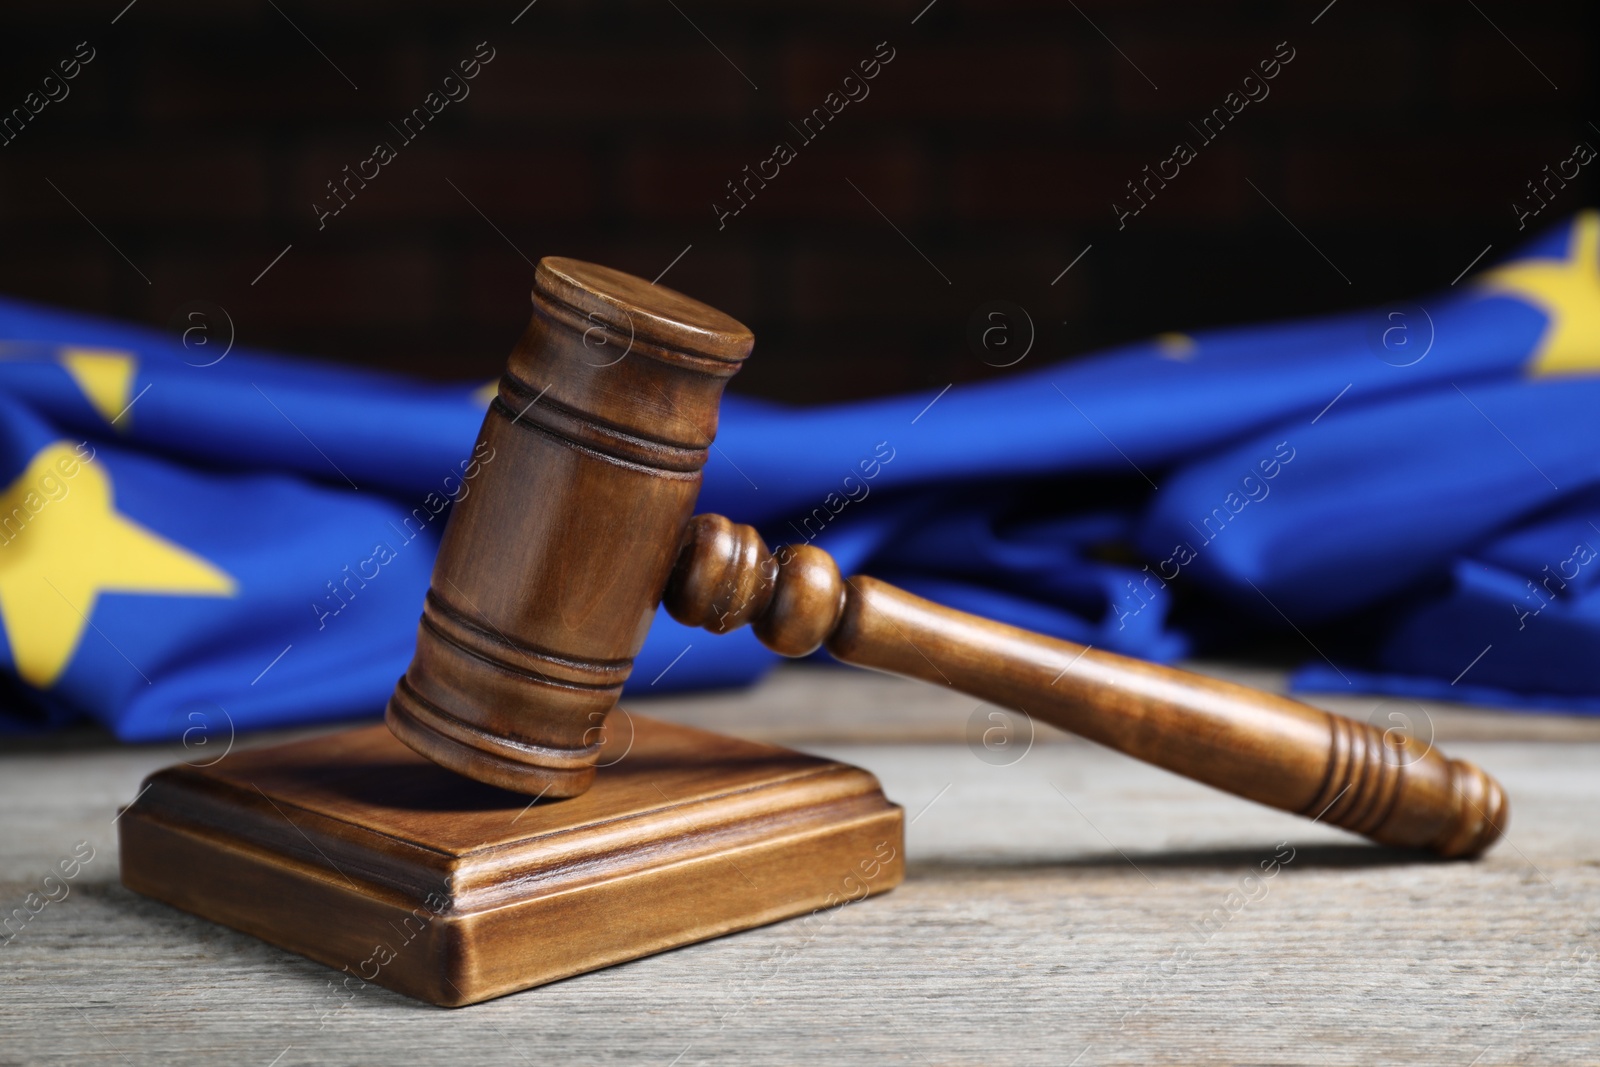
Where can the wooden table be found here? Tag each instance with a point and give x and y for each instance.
(1071, 907)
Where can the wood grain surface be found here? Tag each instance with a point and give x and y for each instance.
(1074, 904)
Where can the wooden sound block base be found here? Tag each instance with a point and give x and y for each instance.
(357, 852)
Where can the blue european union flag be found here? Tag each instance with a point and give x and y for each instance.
(1410, 492)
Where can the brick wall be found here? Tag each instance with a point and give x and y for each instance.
(994, 142)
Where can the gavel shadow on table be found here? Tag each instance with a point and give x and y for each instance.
(547, 578)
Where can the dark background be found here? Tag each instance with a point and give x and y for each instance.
(996, 141)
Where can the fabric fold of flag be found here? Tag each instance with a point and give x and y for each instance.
(1408, 494)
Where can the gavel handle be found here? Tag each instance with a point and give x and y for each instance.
(1257, 745)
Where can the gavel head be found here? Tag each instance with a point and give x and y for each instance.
(554, 559)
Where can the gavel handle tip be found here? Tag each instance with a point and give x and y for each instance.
(1482, 812)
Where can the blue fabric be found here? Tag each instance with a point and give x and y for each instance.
(1410, 501)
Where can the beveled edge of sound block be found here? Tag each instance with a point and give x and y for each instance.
(353, 850)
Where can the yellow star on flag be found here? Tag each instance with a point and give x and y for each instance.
(1567, 290)
(62, 544)
(106, 377)
(1175, 346)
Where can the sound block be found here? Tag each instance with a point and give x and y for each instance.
(355, 851)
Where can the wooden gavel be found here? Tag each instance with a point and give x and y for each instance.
(550, 572)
